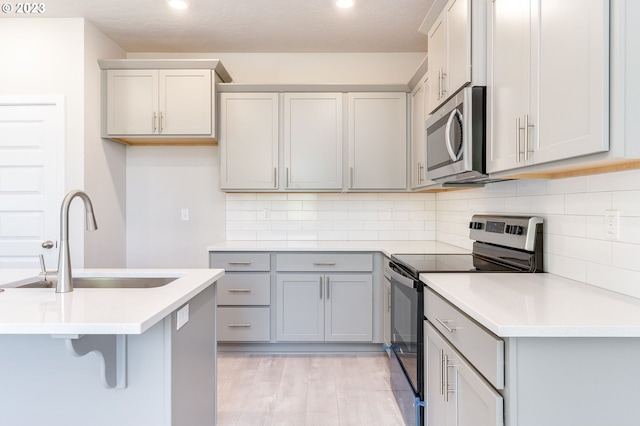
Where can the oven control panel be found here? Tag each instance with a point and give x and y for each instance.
(511, 231)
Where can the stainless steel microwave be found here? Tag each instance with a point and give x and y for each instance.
(456, 138)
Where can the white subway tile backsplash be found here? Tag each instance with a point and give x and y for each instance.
(626, 256)
(575, 243)
(302, 215)
(590, 203)
(627, 202)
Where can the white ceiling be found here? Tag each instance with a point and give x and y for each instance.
(253, 25)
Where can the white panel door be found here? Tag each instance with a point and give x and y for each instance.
(31, 179)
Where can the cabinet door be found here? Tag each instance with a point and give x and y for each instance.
(456, 394)
(377, 140)
(300, 307)
(571, 84)
(185, 102)
(132, 102)
(508, 88)
(437, 43)
(418, 137)
(313, 140)
(248, 141)
(348, 308)
(458, 29)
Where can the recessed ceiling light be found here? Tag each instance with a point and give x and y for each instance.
(344, 3)
(178, 4)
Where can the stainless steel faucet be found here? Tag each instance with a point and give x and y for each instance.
(64, 283)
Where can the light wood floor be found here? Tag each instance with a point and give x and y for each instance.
(298, 390)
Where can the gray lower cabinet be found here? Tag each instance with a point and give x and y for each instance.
(324, 307)
(244, 296)
(456, 394)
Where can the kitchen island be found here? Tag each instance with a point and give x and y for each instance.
(152, 351)
(550, 350)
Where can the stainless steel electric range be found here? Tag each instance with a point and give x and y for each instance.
(509, 244)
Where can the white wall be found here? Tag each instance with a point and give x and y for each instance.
(161, 181)
(310, 68)
(104, 162)
(575, 244)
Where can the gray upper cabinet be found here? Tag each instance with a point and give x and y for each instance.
(160, 102)
(313, 141)
(548, 81)
(377, 141)
(249, 141)
(294, 141)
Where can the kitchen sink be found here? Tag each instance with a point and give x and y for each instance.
(108, 282)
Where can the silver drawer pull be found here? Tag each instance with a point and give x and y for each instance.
(444, 324)
(324, 263)
(239, 290)
(239, 263)
(240, 325)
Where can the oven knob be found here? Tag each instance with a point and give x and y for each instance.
(518, 230)
(507, 229)
(475, 225)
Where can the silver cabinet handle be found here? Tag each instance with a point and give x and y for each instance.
(446, 378)
(442, 76)
(328, 289)
(239, 290)
(350, 177)
(518, 128)
(237, 262)
(527, 126)
(439, 83)
(441, 372)
(286, 173)
(154, 117)
(239, 325)
(324, 263)
(321, 287)
(161, 124)
(275, 177)
(444, 323)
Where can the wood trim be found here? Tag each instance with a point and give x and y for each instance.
(583, 170)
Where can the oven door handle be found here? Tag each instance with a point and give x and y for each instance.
(400, 278)
(457, 115)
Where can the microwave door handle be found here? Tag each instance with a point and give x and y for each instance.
(458, 115)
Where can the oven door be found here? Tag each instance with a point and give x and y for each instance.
(407, 312)
(456, 136)
(407, 317)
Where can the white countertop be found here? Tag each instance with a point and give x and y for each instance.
(386, 247)
(99, 310)
(539, 305)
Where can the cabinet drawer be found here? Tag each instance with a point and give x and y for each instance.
(244, 324)
(240, 261)
(323, 262)
(244, 289)
(482, 348)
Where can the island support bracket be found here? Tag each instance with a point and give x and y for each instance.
(111, 350)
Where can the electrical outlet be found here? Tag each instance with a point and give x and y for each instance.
(182, 317)
(265, 214)
(184, 214)
(611, 223)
